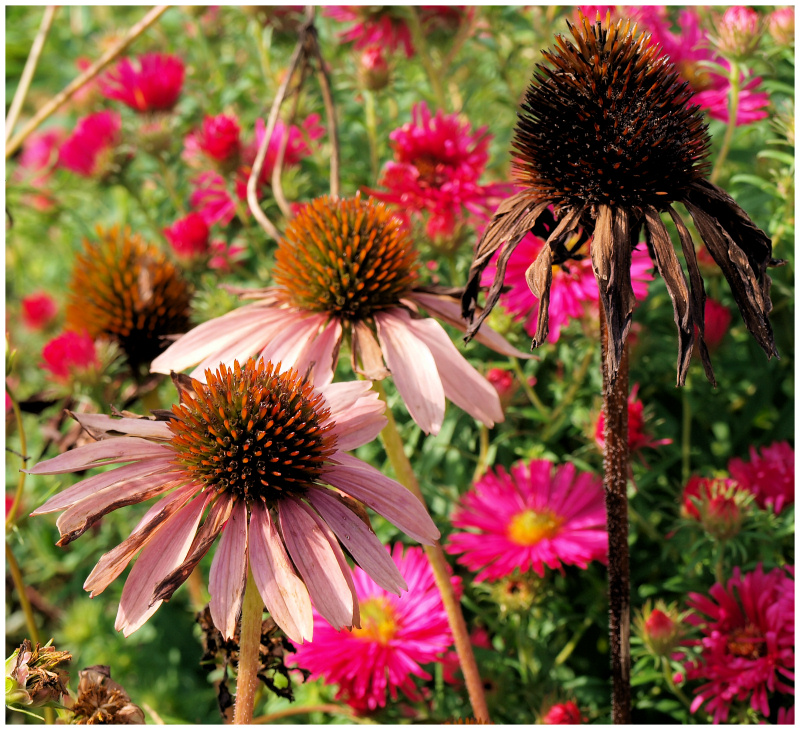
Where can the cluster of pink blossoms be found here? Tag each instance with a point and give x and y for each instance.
(70, 354)
(769, 475)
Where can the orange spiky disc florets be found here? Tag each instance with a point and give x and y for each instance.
(126, 290)
(347, 256)
(252, 430)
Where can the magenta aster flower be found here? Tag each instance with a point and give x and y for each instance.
(188, 236)
(38, 310)
(70, 354)
(769, 475)
(217, 138)
(748, 641)
(151, 82)
(372, 25)
(347, 267)
(438, 162)
(255, 450)
(397, 635)
(89, 150)
(563, 713)
(535, 516)
(573, 294)
(638, 437)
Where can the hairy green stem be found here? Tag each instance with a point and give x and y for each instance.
(393, 444)
(249, 645)
(733, 110)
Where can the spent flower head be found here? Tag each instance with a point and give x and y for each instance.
(35, 677)
(102, 701)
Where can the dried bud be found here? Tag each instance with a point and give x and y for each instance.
(101, 701)
(33, 677)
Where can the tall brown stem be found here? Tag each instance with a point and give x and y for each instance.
(615, 482)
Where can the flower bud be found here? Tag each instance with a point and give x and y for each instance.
(739, 32)
(781, 26)
(717, 504)
(658, 627)
(563, 713)
(504, 384)
(373, 71)
(189, 236)
(70, 355)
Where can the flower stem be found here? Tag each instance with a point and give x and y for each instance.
(434, 74)
(393, 445)
(616, 459)
(529, 391)
(686, 436)
(566, 652)
(19, 586)
(671, 683)
(372, 132)
(557, 416)
(733, 111)
(249, 645)
(719, 564)
(307, 710)
(483, 455)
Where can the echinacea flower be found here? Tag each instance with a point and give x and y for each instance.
(747, 641)
(396, 637)
(125, 290)
(91, 148)
(188, 236)
(255, 450)
(102, 701)
(769, 475)
(438, 161)
(536, 515)
(151, 82)
(347, 268)
(573, 293)
(38, 310)
(638, 437)
(608, 136)
(70, 354)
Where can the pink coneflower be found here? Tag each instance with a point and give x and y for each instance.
(188, 236)
(397, 635)
(255, 450)
(211, 194)
(748, 641)
(151, 82)
(638, 437)
(69, 355)
(38, 310)
(563, 713)
(347, 267)
(438, 161)
(573, 293)
(769, 475)
(535, 516)
(89, 150)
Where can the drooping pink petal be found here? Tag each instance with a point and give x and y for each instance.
(463, 385)
(388, 498)
(160, 556)
(100, 425)
(229, 572)
(322, 352)
(413, 369)
(356, 411)
(312, 554)
(109, 451)
(360, 541)
(289, 345)
(284, 594)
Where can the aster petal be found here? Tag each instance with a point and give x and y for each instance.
(312, 554)
(101, 453)
(360, 541)
(357, 413)
(284, 594)
(158, 558)
(413, 369)
(388, 498)
(212, 336)
(100, 426)
(228, 575)
(463, 385)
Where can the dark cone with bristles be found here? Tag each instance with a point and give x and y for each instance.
(126, 290)
(608, 138)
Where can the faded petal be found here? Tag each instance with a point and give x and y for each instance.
(323, 353)
(110, 451)
(293, 339)
(357, 412)
(229, 572)
(100, 426)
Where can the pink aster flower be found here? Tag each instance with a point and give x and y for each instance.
(373, 25)
(188, 236)
(36, 162)
(563, 713)
(638, 438)
(717, 321)
(535, 516)
(769, 475)
(347, 267)
(217, 139)
(151, 82)
(90, 148)
(257, 456)
(748, 641)
(438, 162)
(397, 636)
(38, 310)
(70, 354)
(574, 293)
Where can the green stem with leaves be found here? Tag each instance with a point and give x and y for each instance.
(733, 111)
(529, 391)
(559, 413)
(667, 670)
(249, 647)
(372, 132)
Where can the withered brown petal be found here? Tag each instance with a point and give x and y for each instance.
(539, 277)
(751, 297)
(670, 270)
(366, 354)
(697, 303)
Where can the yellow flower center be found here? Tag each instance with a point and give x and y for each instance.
(378, 621)
(530, 527)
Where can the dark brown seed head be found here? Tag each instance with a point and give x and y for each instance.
(347, 256)
(252, 431)
(127, 291)
(608, 121)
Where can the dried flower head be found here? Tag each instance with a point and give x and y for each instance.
(34, 677)
(608, 136)
(126, 290)
(102, 701)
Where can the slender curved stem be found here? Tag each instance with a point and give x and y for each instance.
(566, 652)
(330, 111)
(483, 454)
(733, 111)
(19, 586)
(29, 70)
(667, 670)
(393, 444)
(529, 391)
(249, 645)
(686, 436)
(66, 94)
